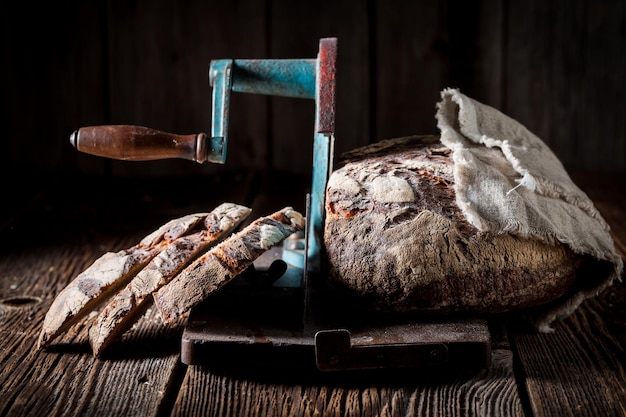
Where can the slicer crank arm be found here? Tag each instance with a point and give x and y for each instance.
(138, 143)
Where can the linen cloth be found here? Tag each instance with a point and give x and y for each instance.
(507, 180)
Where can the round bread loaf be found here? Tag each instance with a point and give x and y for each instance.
(396, 239)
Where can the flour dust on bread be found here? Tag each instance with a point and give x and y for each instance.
(411, 226)
(123, 310)
(221, 264)
(109, 273)
(395, 237)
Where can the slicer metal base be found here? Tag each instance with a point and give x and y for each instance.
(252, 325)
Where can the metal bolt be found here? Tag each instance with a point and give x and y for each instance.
(436, 354)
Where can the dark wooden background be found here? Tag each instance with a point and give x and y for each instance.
(559, 67)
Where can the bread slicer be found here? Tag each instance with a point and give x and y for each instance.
(292, 320)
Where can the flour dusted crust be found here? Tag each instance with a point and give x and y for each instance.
(395, 238)
(214, 269)
(131, 302)
(106, 275)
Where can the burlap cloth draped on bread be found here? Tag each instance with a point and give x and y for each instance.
(508, 181)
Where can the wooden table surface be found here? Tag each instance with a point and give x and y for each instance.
(55, 227)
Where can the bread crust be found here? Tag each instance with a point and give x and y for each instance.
(92, 287)
(221, 264)
(395, 238)
(132, 301)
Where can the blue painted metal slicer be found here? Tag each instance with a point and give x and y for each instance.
(292, 321)
(300, 78)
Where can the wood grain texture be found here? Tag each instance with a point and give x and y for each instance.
(44, 383)
(490, 392)
(410, 66)
(578, 370)
(294, 32)
(424, 47)
(555, 66)
(51, 80)
(594, 365)
(589, 348)
(561, 78)
(160, 53)
(72, 230)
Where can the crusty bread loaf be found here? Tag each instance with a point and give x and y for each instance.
(395, 238)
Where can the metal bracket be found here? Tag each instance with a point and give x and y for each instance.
(298, 78)
(334, 351)
(220, 77)
(276, 77)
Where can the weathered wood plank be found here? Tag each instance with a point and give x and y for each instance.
(563, 80)
(529, 96)
(580, 368)
(52, 80)
(603, 99)
(159, 56)
(264, 392)
(474, 33)
(423, 47)
(410, 66)
(555, 66)
(48, 247)
(294, 32)
(45, 382)
(491, 392)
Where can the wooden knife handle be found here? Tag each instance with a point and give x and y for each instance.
(138, 143)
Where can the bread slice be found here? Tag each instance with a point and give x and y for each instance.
(107, 275)
(215, 268)
(131, 302)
